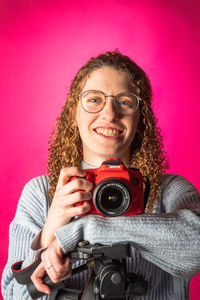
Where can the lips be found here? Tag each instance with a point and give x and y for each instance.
(109, 131)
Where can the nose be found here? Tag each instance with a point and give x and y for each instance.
(110, 111)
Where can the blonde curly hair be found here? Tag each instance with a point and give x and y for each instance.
(147, 152)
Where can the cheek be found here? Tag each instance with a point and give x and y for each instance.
(83, 120)
(80, 118)
(134, 123)
(78, 115)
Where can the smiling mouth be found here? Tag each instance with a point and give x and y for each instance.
(108, 132)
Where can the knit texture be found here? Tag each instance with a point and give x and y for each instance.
(165, 244)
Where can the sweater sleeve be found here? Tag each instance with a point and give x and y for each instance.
(169, 239)
(28, 221)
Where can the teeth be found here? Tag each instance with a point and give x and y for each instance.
(108, 132)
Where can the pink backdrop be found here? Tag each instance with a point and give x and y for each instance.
(42, 45)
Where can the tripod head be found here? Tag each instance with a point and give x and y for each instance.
(108, 275)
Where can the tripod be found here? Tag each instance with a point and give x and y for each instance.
(108, 274)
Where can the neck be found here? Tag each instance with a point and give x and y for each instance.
(96, 161)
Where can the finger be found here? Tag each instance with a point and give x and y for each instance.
(37, 279)
(74, 198)
(60, 271)
(66, 173)
(63, 266)
(68, 266)
(56, 271)
(56, 262)
(76, 185)
(52, 257)
(65, 276)
(78, 210)
(46, 259)
(55, 278)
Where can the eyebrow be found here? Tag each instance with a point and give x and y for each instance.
(126, 91)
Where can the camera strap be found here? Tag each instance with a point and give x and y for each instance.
(107, 277)
(22, 275)
(88, 293)
(147, 190)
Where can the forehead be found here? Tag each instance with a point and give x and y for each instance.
(107, 79)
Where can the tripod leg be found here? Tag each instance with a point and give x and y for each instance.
(68, 294)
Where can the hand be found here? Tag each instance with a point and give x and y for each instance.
(62, 208)
(52, 263)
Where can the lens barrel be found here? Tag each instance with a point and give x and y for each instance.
(112, 197)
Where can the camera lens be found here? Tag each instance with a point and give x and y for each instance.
(111, 197)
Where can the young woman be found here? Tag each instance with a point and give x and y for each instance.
(107, 113)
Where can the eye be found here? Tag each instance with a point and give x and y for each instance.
(125, 102)
(94, 100)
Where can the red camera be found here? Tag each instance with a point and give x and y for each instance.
(118, 191)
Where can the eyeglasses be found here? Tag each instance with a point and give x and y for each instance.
(93, 101)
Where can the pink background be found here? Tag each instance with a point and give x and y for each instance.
(42, 46)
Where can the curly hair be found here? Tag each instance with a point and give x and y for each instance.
(147, 152)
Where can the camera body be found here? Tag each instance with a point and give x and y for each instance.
(117, 190)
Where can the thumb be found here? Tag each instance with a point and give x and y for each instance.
(67, 266)
(37, 279)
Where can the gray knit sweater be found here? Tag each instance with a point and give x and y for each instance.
(165, 244)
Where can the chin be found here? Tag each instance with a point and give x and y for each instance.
(107, 154)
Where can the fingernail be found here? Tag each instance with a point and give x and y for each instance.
(87, 208)
(89, 195)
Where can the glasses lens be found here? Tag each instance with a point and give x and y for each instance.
(127, 102)
(92, 101)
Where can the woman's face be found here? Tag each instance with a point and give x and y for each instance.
(107, 133)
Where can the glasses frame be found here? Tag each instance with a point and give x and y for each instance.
(105, 100)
